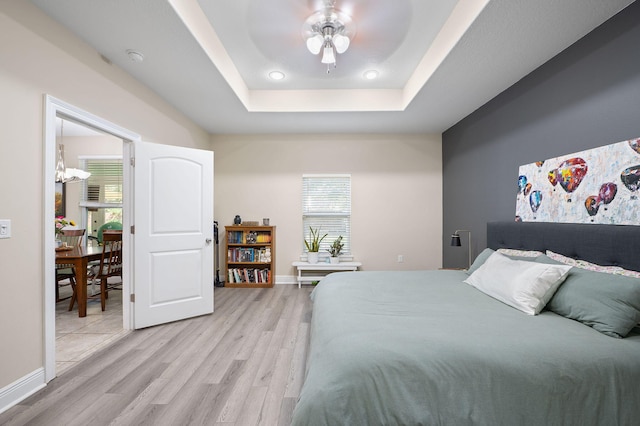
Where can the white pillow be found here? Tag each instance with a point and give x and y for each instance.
(524, 285)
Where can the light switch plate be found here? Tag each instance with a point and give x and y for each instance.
(5, 228)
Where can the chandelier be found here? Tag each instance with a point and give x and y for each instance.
(328, 31)
(67, 174)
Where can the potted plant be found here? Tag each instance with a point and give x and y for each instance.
(61, 222)
(313, 245)
(334, 250)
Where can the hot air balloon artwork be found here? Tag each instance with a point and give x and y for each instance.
(522, 183)
(605, 196)
(535, 199)
(600, 185)
(524, 187)
(553, 177)
(630, 177)
(570, 174)
(592, 205)
(607, 192)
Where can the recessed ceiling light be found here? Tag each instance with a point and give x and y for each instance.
(276, 75)
(135, 56)
(370, 75)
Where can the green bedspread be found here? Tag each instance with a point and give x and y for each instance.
(423, 348)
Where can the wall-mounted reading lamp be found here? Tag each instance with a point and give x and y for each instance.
(455, 241)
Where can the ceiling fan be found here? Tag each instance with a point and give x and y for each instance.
(329, 31)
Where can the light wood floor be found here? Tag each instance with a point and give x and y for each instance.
(243, 365)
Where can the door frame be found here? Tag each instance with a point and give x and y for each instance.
(53, 108)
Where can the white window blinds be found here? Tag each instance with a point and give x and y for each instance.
(104, 187)
(326, 205)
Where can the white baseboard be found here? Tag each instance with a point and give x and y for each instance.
(21, 389)
(286, 279)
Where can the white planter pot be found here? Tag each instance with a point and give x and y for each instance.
(312, 257)
(334, 260)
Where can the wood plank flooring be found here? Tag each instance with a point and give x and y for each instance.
(242, 365)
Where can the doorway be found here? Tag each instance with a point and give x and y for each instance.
(88, 204)
(173, 258)
(55, 108)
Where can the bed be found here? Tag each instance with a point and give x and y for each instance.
(426, 348)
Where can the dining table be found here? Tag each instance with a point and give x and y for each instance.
(79, 257)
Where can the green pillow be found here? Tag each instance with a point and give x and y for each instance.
(606, 302)
(480, 259)
(484, 255)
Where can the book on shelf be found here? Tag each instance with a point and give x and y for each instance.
(235, 237)
(263, 237)
(252, 237)
(249, 275)
(249, 255)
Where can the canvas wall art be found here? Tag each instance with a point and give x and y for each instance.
(599, 185)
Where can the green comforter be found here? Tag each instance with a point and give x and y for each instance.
(423, 348)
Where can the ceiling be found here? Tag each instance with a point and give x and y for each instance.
(437, 60)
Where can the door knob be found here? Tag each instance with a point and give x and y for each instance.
(208, 240)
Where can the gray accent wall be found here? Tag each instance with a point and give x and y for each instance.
(585, 97)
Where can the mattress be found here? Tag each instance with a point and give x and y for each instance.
(424, 348)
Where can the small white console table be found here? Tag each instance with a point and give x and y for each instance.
(309, 272)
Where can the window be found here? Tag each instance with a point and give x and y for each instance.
(102, 191)
(326, 205)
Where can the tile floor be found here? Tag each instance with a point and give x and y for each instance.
(78, 338)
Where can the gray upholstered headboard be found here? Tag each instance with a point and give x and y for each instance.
(602, 244)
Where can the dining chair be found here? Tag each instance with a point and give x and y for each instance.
(70, 238)
(106, 227)
(110, 265)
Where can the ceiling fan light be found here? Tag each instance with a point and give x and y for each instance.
(328, 32)
(75, 175)
(341, 43)
(314, 44)
(328, 56)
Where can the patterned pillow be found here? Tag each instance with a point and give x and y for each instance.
(520, 253)
(583, 264)
(628, 273)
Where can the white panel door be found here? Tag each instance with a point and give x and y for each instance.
(172, 242)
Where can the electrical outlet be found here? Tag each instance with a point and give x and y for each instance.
(400, 258)
(5, 228)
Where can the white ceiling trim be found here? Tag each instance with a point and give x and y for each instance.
(345, 100)
(338, 100)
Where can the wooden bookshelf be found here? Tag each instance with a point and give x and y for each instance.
(250, 260)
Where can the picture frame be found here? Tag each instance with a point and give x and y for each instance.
(60, 199)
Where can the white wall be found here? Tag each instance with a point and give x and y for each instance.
(38, 57)
(396, 192)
